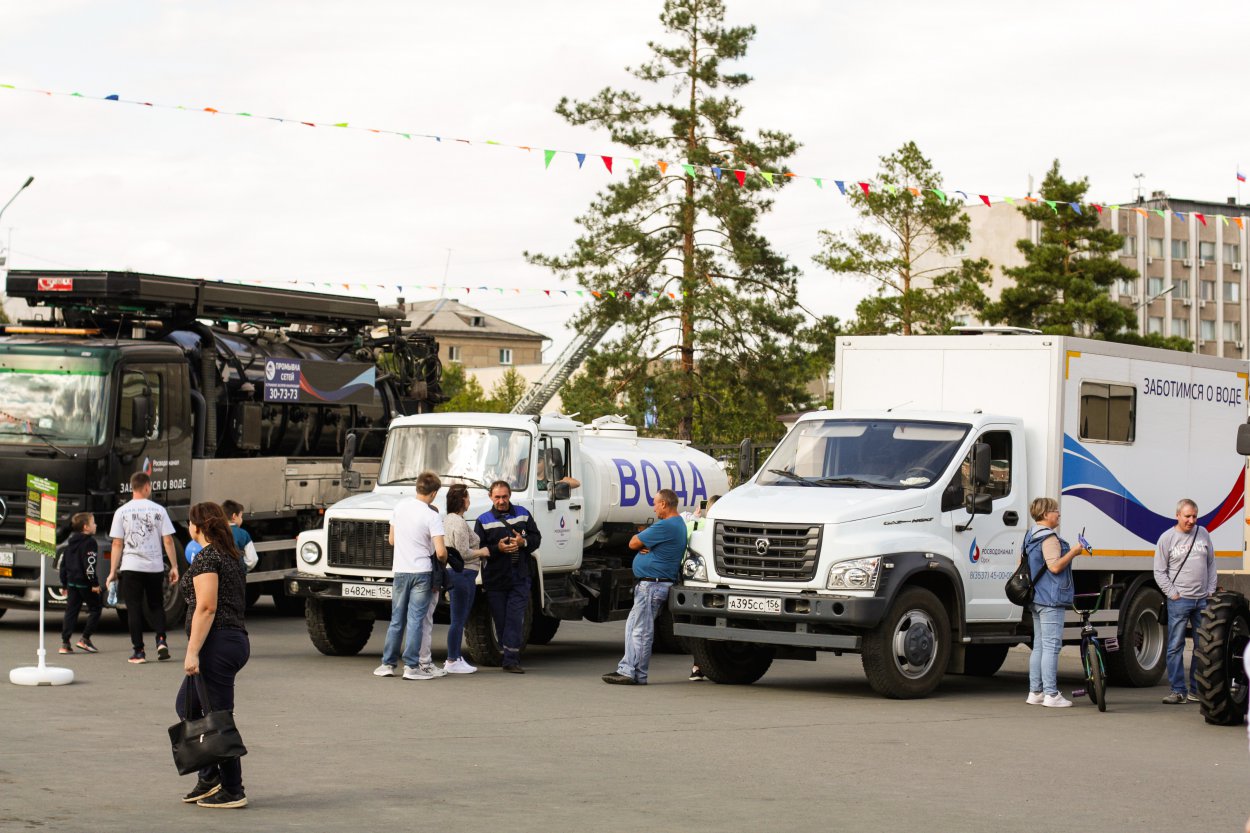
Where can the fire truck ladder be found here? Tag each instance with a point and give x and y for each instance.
(542, 391)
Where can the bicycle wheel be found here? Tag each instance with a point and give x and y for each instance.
(1088, 661)
(1098, 683)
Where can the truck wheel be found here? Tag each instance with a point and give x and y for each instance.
(252, 595)
(3, 610)
(1143, 642)
(335, 629)
(667, 642)
(543, 629)
(984, 660)
(731, 663)
(479, 633)
(1221, 644)
(905, 656)
(175, 605)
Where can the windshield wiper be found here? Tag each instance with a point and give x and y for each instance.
(792, 476)
(412, 479)
(472, 480)
(856, 482)
(44, 437)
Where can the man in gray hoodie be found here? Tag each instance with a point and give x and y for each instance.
(1185, 572)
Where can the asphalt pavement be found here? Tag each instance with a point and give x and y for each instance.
(809, 747)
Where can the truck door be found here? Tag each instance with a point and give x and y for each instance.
(558, 518)
(142, 431)
(988, 552)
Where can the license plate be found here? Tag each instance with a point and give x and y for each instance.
(6, 559)
(367, 591)
(6, 572)
(754, 604)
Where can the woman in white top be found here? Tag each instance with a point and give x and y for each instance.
(464, 583)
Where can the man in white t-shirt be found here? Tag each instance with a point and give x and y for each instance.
(416, 533)
(140, 530)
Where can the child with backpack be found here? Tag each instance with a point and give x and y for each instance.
(81, 582)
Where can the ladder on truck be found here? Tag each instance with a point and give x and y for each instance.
(542, 391)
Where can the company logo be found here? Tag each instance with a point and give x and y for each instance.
(4, 511)
(974, 552)
(562, 522)
(762, 545)
(147, 466)
(270, 371)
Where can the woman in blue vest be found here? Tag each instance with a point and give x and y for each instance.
(1050, 562)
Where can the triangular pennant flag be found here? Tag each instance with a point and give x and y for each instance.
(249, 115)
(689, 169)
(1179, 216)
(637, 162)
(1076, 208)
(1239, 222)
(1225, 219)
(1052, 205)
(1201, 219)
(1009, 200)
(548, 155)
(819, 184)
(607, 162)
(547, 292)
(841, 186)
(209, 110)
(741, 176)
(984, 198)
(915, 192)
(341, 124)
(663, 167)
(941, 194)
(891, 189)
(1030, 199)
(767, 176)
(716, 172)
(592, 292)
(864, 185)
(612, 293)
(1160, 212)
(113, 97)
(962, 194)
(581, 158)
(1097, 207)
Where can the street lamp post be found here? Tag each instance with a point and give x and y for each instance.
(1155, 297)
(25, 185)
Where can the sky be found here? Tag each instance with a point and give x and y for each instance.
(992, 92)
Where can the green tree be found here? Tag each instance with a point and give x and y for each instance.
(507, 391)
(908, 249)
(1063, 286)
(719, 325)
(465, 392)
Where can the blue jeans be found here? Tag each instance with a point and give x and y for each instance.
(1182, 612)
(463, 589)
(1047, 640)
(649, 599)
(410, 597)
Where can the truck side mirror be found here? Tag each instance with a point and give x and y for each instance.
(141, 415)
(560, 490)
(351, 481)
(1243, 439)
(979, 504)
(349, 452)
(980, 472)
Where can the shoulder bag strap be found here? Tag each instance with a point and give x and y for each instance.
(1038, 576)
(1193, 538)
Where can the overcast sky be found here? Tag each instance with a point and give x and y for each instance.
(991, 91)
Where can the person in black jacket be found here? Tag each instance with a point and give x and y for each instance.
(510, 536)
(81, 582)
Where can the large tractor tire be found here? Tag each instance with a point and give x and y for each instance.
(731, 663)
(1218, 657)
(479, 633)
(337, 629)
(906, 655)
(1142, 657)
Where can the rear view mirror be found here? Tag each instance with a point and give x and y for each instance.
(980, 473)
(349, 451)
(1243, 439)
(141, 414)
(979, 504)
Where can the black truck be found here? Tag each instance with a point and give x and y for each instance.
(218, 391)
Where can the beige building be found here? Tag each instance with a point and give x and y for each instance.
(1192, 280)
(472, 338)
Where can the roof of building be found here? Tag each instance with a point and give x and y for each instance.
(447, 316)
(1159, 199)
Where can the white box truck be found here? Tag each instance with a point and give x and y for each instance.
(877, 528)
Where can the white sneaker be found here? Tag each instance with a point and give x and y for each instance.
(1056, 701)
(1036, 698)
(459, 666)
(432, 669)
(384, 670)
(421, 672)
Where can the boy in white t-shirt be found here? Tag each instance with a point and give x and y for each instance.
(141, 528)
(416, 533)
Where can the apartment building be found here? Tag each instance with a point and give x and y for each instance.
(472, 338)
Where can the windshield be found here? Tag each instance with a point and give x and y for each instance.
(457, 453)
(59, 400)
(875, 454)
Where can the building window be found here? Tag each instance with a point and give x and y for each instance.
(1206, 330)
(1206, 250)
(1154, 325)
(1232, 331)
(1155, 248)
(1154, 286)
(1232, 253)
(505, 355)
(1232, 291)
(1180, 287)
(1180, 249)
(1108, 412)
(1127, 286)
(477, 321)
(1129, 247)
(1208, 290)
(1180, 327)
(453, 353)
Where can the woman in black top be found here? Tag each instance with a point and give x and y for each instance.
(215, 589)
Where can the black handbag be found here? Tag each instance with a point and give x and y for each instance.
(1019, 587)
(204, 741)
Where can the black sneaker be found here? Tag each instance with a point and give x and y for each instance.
(86, 645)
(162, 650)
(203, 789)
(137, 658)
(616, 678)
(66, 648)
(223, 799)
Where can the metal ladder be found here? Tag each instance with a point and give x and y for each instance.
(542, 391)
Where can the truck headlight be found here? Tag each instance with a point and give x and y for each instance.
(310, 551)
(694, 568)
(857, 574)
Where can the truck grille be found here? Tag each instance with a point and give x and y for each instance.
(776, 552)
(359, 544)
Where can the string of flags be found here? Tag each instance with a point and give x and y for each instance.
(721, 174)
(572, 294)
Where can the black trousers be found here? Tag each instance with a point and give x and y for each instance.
(223, 654)
(144, 595)
(75, 598)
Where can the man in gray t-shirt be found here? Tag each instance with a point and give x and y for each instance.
(1185, 572)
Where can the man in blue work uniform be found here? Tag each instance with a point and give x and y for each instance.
(510, 535)
(660, 548)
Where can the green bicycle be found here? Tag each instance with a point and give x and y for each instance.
(1093, 648)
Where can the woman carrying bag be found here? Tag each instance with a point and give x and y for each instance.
(215, 589)
(1050, 559)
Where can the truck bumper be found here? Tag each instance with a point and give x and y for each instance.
(312, 586)
(825, 622)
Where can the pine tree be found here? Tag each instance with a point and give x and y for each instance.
(1063, 286)
(507, 391)
(908, 248)
(710, 328)
(465, 392)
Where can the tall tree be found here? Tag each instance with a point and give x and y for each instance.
(508, 390)
(464, 391)
(908, 248)
(719, 301)
(1063, 286)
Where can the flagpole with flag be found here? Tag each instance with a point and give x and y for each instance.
(1240, 179)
